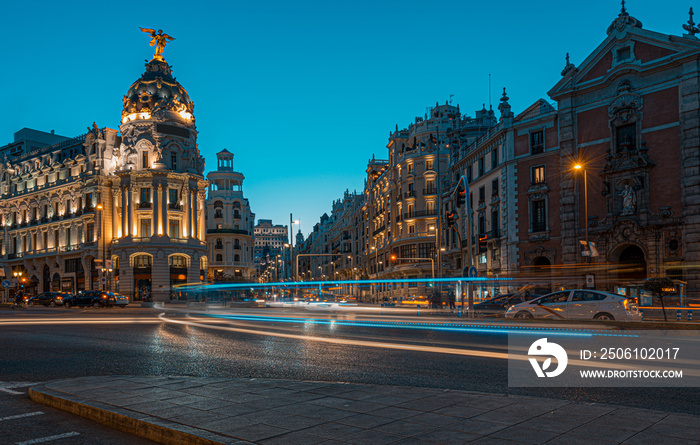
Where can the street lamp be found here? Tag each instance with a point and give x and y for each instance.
(580, 166)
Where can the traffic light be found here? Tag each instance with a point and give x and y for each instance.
(461, 196)
(450, 219)
(482, 243)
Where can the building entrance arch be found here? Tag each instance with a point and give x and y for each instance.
(632, 264)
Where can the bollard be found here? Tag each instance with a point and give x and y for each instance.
(418, 315)
(679, 314)
(641, 312)
(690, 315)
(459, 311)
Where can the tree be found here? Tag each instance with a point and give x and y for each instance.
(656, 286)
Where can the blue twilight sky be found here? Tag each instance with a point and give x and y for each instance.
(302, 92)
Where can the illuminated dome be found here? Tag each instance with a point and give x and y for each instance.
(157, 94)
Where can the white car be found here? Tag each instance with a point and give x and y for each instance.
(578, 304)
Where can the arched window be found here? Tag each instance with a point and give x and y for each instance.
(236, 258)
(203, 263)
(178, 261)
(236, 205)
(143, 261)
(218, 204)
(219, 258)
(219, 244)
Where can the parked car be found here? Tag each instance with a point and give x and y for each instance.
(497, 306)
(49, 299)
(96, 299)
(578, 304)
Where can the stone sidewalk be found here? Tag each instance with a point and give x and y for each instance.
(193, 410)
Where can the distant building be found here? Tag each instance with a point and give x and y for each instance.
(229, 224)
(269, 245)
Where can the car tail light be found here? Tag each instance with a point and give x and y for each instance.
(626, 304)
(104, 297)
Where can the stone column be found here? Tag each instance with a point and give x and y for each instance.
(164, 209)
(155, 189)
(188, 211)
(131, 211)
(125, 222)
(195, 214)
(115, 214)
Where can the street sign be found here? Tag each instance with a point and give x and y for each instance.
(5, 283)
(590, 281)
(473, 273)
(103, 280)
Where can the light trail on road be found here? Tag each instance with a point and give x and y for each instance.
(49, 321)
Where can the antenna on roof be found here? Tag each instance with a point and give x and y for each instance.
(489, 90)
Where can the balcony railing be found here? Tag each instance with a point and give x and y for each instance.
(144, 205)
(237, 231)
(174, 206)
(430, 191)
(409, 194)
(378, 230)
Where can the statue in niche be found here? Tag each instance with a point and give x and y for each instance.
(629, 200)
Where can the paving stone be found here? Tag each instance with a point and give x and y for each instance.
(442, 435)
(257, 432)
(435, 419)
(570, 439)
(393, 412)
(547, 423)
(459, 411)
(333, 430)
(365, 420)
(645, 438)
(525, 435)
(665, 428)
(603, 433)
(295, 438)
(373, 437)
(478, 427)
(403, 428)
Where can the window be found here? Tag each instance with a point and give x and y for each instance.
(482, 224)
(178, 261)
(411, 229)
(481, 167)
(144, 160)
(219, 258)
(145, 227)
(174, 228)
(88, 200)
(141, 261)
(430, 208)
(494, 158)
(494, 188)
(69, 207)
(482, 194)
(173, 161)
(429, 164)
(172, 197)
(558, 297)
(426, 250)
(408, 251)
(495, 224)
(539, 216)
(68, 237)
(536, 142)
(537, 175)
(90, 233)
(627, 137)
(219, 244)
(145, 195)
(237, 258)
(623, 54)
(469, 173)
(410, 169)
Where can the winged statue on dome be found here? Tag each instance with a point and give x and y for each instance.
(159, 40)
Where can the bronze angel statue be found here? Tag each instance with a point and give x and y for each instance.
(159, 40)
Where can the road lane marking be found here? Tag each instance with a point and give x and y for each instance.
(19, 416)
(9, 391)
(49, 438)
(80, 321)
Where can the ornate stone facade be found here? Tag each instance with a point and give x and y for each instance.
(124, 213)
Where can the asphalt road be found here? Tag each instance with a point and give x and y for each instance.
(134, 341)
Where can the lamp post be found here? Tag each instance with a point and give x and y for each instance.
(580, 166)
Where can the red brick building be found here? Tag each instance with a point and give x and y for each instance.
(629, 114)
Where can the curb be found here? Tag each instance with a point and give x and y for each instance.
(143, 425)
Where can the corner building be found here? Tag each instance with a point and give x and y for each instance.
(70, 205)
(159, 190)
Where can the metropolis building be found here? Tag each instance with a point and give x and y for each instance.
(120, 210)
